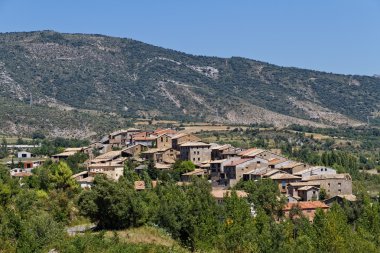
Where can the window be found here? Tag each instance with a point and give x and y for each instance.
(328, 184)
(340, 191)
(194, 159)
(199, 159)
(321, 169)
(162, 139)
(339, 184)
(198, 152)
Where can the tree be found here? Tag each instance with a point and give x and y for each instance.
(113, 205)
(239, 230)
(60, 176)
(4, 148)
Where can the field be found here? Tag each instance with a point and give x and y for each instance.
(13, 139)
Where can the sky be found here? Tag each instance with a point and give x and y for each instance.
(339, 36)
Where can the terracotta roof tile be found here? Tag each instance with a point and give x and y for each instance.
(306, 205)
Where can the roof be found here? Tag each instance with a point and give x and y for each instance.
(312, 169)
(108, 155)
(291, 165)
(280, 176)
(179, 135)
(195, 144)
(139, 185)
(22, 174)
(88, 179)
(218, 161)
(220, 194)
(132, 146)
(345, 176)
(271, 172)
(306, 188)
(121, 131)
(275, 161)
(300, 184)
(349, 197)
(74, 149)
(64, 154)
(195, 172)
(79, 174)
(251, 152)
(142, 138)
(154, 150)
(141, 167)
(105, 165)
(237, 162)
(168, 131)
(304, 205)
(162, 166)
(221, 147)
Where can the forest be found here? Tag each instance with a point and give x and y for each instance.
(35, 213)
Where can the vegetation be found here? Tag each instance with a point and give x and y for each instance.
(94, 81)
(188, 214)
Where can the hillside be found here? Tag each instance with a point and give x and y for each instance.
(74, 77)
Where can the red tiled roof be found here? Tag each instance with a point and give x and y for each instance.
(306, 205)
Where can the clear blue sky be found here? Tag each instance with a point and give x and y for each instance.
(341, 36)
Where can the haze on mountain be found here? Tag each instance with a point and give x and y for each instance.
(83, 84)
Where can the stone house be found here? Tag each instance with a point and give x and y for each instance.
(122, 137)
(182, 138)
(234, 170)
(283, 179)
(197, 152)
(292, 167)
(187, 177)
(307, 209)
(308, 193)
(133, 150)
(293, 188)
(220, 194)
(334, 184)
(163, 141)
(112, 170)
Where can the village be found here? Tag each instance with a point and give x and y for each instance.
(305, 186)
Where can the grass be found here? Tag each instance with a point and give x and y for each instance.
(144, 235)
(13, 139)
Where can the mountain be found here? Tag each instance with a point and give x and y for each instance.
(66, 82)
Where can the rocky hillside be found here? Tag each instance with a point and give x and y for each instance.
(96, 75)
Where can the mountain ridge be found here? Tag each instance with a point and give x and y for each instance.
(129, 78)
